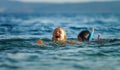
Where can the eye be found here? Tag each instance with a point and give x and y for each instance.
(60, 32)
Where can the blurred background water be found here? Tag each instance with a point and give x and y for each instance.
(20, 32)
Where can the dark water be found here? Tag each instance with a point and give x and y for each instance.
(19, 49)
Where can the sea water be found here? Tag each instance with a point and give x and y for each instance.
(19, 34)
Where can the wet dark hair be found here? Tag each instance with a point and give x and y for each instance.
(81, 35)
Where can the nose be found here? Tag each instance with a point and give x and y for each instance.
(57, 32)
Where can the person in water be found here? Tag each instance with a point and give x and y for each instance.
(83, 36)
(59, 35)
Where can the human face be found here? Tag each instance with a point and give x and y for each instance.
(59, 35)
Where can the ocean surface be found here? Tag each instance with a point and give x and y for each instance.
(19, 34)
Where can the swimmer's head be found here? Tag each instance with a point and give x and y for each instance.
(84, 35)
(59, 35)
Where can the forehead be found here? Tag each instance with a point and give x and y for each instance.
(59, 29)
